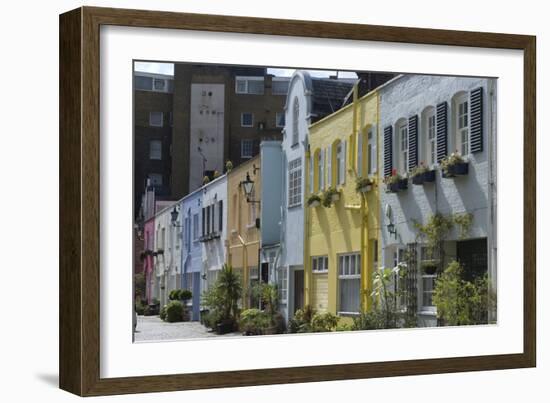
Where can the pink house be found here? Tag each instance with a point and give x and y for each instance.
(148, 265)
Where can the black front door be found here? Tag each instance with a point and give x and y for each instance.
(298, 289)
(472, 255)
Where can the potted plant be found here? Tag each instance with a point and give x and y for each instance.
(363, 185)
(330, 196)
(228, 166)
(395, 182)
(454, 165)
(314, 200)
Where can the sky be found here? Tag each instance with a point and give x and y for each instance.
(168, 68)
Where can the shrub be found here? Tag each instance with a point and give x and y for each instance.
(324, 322)
(374, 319)
(254, 321)
(185, 295)
(162, 313)
(174, 311)
(139, 285)
(461, 302)
(223, 297)
(140, 307)
(174, 295)
(301, 322)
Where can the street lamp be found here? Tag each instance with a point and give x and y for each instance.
(248, 187)
(174, 217)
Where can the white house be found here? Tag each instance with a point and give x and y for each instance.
(167, 254)
(308, 100)
(214, 211)
(424, 119)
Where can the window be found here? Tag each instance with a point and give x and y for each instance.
(431, 138)
(403, 153)
(427, 290)
(462, 139)
(372, 153)
(320, 170)
(220, 215)
(279, 86)
(156, 179)
(195, 227)
(349, 283)
(171, 119)
(143, 83)
(295, 117)
(282, 281)
(159, 84)
(247, 119)
(319, 264)
(155, 150)
(280, 119)
(341, 162)
(249, 85)
(247, 148)
(156, 119)
(295, 182)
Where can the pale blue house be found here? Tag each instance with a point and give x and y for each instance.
(190, 210)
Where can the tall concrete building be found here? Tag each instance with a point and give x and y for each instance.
(221, 113)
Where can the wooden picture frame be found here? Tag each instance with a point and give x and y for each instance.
(79, 201)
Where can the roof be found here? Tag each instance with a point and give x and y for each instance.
(328, 95)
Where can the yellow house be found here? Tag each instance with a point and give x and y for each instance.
(243, 212)
(341, 241)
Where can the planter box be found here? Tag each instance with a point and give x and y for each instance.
(429, 176)
(418, 179)
(335, 197)
(403, 184)
(366, 189)
(315, 203)
(392, 187)
(459, 169)
(224, 327)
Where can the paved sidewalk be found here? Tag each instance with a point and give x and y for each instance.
(152, 328)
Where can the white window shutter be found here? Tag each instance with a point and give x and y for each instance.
(359, 154)
(374, 146)
(322, 171)
(342, 170)
(311, 172)
(329, 166)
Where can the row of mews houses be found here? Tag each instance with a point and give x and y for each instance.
(318, 212)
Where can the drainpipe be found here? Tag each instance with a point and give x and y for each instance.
(306, 259)
(492, 230)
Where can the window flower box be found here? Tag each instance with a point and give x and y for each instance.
(454, 165)
(330, 196)
(314, 200)
(422, 174)
(363, 185)
(395, 183)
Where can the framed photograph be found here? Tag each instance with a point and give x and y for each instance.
(249, 201)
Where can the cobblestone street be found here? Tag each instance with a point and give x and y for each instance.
(152, 328)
